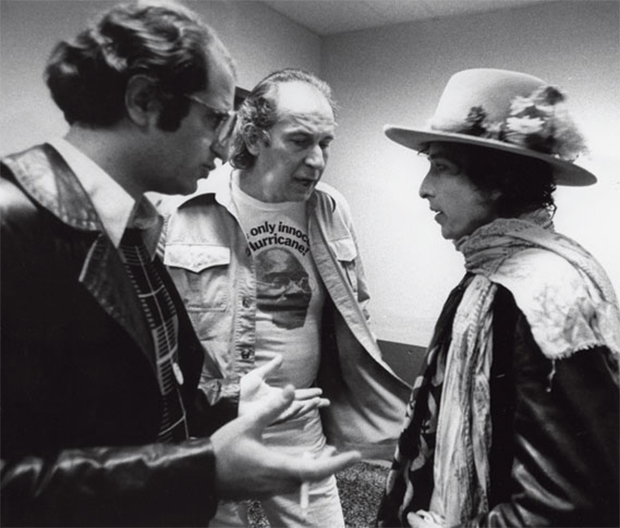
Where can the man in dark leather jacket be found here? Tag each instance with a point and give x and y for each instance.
(102, 421)
(514, 418)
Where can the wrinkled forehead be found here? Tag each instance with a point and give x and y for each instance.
(302, 99)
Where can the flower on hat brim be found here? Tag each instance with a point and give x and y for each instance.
(538, 122)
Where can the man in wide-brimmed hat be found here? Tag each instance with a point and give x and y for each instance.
(514, 419)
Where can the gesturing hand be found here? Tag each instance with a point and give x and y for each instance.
(254, 390)
(246, 468)
(425, 519)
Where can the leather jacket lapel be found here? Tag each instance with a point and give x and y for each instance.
(47, 178)
(104, 276)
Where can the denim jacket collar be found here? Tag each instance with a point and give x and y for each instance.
(219, 186)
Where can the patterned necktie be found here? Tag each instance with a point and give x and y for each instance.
(163, 323)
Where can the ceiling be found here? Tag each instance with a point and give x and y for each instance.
(328, 17)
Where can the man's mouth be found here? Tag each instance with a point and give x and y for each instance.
(306, 182)
(206, 169)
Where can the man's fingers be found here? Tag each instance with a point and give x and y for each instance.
(306, 394)
(328, 451)
(415, 521)
(299, 408)
(425, 519)
(265, 370)
(323, 402)
(323, 467)
(274, 405)
(314, 403)
(311, 397)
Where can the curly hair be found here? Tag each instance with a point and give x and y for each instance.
(524, 183)
(259, 111)
(164, 41)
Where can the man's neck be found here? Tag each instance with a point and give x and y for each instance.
(108, 148)
(251, 183)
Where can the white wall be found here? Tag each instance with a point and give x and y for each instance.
(388, 75)
(259, 39)
(396, 74)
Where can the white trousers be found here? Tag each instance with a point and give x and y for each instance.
(324, 509)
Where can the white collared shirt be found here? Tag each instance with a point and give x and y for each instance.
(115, 206)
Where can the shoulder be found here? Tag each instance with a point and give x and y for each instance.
(565, 304)
(332, 198)
(186, 215)
(16, 205)
(198, 219)
(543, 280)
(197, 200)
(217, 184)
(29, 231)
(536, 267)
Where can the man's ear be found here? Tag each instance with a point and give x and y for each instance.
(253, 137)
(141, 101)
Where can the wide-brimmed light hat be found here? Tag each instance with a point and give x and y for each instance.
(509, 111)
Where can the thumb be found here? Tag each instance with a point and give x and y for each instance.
(265, 370)
(273, 406)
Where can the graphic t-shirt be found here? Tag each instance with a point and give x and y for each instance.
(289, 292)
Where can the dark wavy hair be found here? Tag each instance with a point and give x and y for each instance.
(525, 184)
(164, 41)
(259, 111)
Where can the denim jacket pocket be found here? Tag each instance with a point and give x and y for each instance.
(200, 273)
(346, 253)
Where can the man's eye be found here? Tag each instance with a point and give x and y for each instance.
(215, 120)
(444, 168)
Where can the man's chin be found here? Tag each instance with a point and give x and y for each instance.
(189, 187)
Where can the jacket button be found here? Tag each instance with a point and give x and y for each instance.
(246, 302)
(246, 353)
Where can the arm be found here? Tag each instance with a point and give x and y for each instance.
(111, 486)
(245, 395)
(72, 454)
(156, 484)
(217, 400)
(564, 470)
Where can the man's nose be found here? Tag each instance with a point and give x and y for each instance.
(316, 158)
(426, 188)
(220, 149)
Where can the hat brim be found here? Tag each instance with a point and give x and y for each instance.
(564, 172)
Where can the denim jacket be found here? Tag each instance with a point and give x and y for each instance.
(208, 257)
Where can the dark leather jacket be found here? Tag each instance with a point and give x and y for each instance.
(554, 458)
(555, 448)
(80, 400)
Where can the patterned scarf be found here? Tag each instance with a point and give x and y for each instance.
(570, 306)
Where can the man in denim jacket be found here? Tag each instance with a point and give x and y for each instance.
(267, 263)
